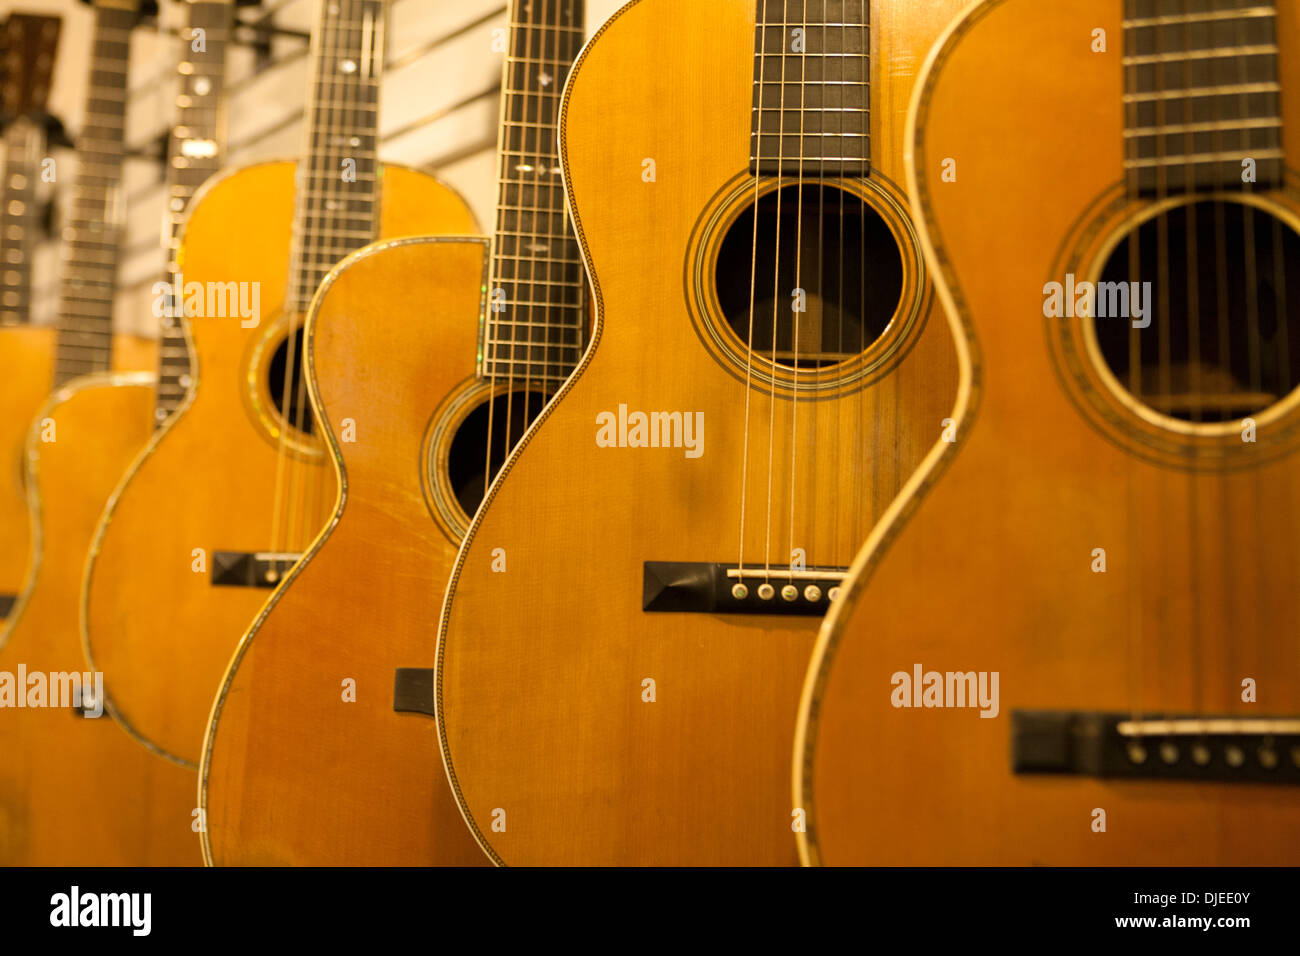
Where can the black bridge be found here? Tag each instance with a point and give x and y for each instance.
(703, 588)
(7, 604)
(1219, 749)
(251, 569)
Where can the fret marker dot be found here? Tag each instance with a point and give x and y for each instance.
(202, 86)
(544, 79)
(348, 66)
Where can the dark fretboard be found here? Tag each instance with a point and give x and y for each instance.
(536, 320)
(337, 187)
(811, 106)
(92, 235)
(24, 150)
(1201, 94)
(195, 151)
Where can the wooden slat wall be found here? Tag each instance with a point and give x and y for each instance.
(439, 111)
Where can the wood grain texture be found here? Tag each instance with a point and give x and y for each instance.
(161, 632)
(993, 569)
(543, 722)
(27, 354)
(78, 791)
(293, 773)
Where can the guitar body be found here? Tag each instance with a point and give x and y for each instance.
(989, 565)
(77, 791)
(294, 771)
(578, 728)
(27, 354)
(216, 476)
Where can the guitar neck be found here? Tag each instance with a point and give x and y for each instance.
(196, 150)
(24, 147)
(536, 319)
(337, 190)
(812, 104)
(92, 236)
(1201, 95)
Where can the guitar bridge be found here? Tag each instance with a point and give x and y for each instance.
(1115, 746)
(704, 588)
(245, 569)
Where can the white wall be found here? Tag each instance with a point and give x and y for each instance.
(440, 106)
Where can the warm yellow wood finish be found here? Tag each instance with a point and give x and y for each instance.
(159, 630)
(557, 757)
(27, 354)
(993, 570)
(293, 773)
(77, 791)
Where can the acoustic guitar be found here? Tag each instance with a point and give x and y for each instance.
(1076, 639)
(26, 350)
(75, 790)
(234, 485)
(326, 710)
(767, 368)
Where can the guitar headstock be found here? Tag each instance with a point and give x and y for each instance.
(30, 43)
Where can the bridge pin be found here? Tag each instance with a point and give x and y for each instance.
(1295, 756)
(766, 591)
(789, 592)
(812, 593)
(833, 593)
(739, 592)
(1234, 755)
(1201, 754)
(1137, 753)
(1267, 757)
(1169, 753)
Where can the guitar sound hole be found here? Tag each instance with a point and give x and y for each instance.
(1223, 341)
(834, 247)
(511, 414)
(298, 410)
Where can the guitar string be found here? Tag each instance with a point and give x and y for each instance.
(492, 324)
(297, 256)
(1222, 279)
(523, 153)
(324, 211)
(1133, 562)
(1261, 652)
(760, 110)
(543, 217)
(836, 551)
(776, 295)
(1194, 384)
(344, 115)
(798, 276)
